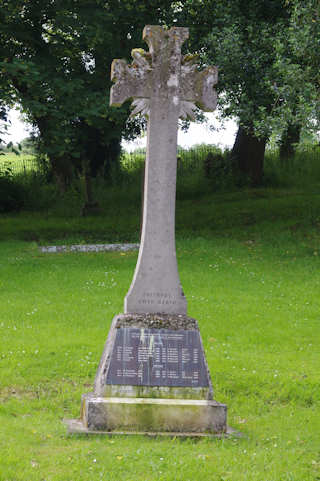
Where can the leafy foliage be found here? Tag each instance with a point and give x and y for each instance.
(3, 126)
(264, 80)
(56, 56)
(12, 193)
(240, 39)
(298, 64)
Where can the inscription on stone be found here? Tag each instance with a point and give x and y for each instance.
(157, 357)
(157, 298)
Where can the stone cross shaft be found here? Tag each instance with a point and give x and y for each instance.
(165, 86)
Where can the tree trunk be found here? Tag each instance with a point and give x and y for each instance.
(289, 139)
(248, 154)
(102, 152)
(112, 155)
(62, 171)
(143, 176)
(90, 205)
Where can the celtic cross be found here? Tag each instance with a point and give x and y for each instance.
(164, 85)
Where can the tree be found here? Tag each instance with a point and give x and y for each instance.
(289, 140)
(5, 96)
(56, 55)
(299, 63)
(240, 37)
(264, 81)
(304, 38)
(3, 125)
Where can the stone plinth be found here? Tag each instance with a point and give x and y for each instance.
(153, 415)
(153, 377)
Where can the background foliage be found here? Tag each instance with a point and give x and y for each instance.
(55, 59)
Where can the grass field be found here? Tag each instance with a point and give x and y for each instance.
(18, 164)
(249, 264)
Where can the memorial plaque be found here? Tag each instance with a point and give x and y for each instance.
(157, 357)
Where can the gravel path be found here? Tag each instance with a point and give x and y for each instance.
(89, 248)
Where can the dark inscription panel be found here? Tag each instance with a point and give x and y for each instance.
(157, 357)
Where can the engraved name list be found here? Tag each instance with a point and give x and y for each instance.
(153, 357)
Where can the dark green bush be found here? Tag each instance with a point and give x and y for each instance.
(28, 190)
(219, 168)
(12, 194)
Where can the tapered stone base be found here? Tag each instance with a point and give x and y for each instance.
(153, 415)
(152, 378)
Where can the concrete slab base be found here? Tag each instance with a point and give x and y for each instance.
(76, 426)
(152, 415)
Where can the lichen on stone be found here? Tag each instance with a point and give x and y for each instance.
(157, 321)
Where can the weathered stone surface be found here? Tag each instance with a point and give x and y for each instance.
(75, 426)
(164, 415)
(157, 321)
(135, 81)
(157, 357)
(166, 86)
(150, 361)
(157, 392)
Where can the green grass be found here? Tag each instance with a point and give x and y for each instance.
(303, 169)
(249, 263)
(18, 164)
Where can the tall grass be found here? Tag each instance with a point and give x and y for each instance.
(303, 166)
(18, 164)
(302, 169)
(201, 170)
(206, 166)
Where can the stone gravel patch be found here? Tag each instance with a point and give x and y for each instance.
(89, 248)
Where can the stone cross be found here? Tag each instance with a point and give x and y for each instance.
(164, 85)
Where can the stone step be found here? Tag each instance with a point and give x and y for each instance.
(153, 415)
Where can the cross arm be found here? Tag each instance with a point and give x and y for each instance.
(205, 94)
(197, 87)
(131, 81)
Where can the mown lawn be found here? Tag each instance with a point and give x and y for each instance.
(249, 264)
